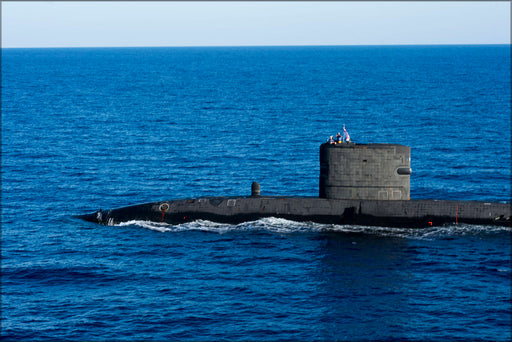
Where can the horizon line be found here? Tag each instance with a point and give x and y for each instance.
(248, 46)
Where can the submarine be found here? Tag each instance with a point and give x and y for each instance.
(359, 184)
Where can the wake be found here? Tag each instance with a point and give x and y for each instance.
(283, 226)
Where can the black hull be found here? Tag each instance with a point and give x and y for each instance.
(234, 210)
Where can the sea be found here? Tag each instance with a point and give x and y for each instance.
(90, 128)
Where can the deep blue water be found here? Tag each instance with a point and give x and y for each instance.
(84, 129)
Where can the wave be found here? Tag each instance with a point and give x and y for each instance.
(283, 226)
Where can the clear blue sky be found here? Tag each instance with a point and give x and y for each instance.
(78, 24)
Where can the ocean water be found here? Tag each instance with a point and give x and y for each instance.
(84, 129)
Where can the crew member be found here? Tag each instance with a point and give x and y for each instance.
(339, 138)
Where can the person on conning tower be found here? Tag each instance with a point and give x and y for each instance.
(339, 138)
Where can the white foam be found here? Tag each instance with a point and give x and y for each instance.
(161, 227)
(283, 226)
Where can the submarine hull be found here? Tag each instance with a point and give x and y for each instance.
(360, 184)
(234, 210)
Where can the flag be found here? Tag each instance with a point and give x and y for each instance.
(346, 137)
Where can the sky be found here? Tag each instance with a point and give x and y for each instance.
(252, 23)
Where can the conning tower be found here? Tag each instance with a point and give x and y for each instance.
(365, 171)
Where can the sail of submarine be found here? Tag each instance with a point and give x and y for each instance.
(359, 184)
